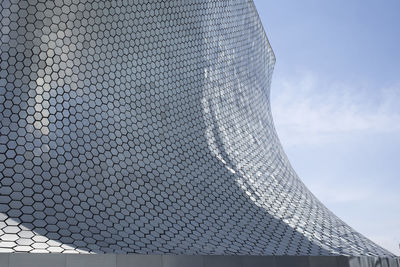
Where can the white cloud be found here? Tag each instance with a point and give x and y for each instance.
(309, 110)
(312, 115)
(329, 194)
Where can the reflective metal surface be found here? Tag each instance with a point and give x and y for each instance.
(134, 126)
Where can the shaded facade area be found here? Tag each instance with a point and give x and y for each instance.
(145, 127)
(136, 260)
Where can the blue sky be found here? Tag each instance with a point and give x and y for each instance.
(336, 105)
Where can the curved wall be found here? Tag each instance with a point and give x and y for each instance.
(145, 127)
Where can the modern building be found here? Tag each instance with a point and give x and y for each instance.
(144, 127)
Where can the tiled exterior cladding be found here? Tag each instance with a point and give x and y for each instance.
(145, 127)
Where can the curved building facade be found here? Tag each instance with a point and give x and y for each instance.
(134, 126)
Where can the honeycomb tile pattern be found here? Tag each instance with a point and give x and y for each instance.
(133, 126)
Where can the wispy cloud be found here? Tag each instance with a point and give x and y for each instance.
(329, 194)
(310, 110)
(313, 114)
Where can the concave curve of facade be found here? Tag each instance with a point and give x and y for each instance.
(145, 127)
